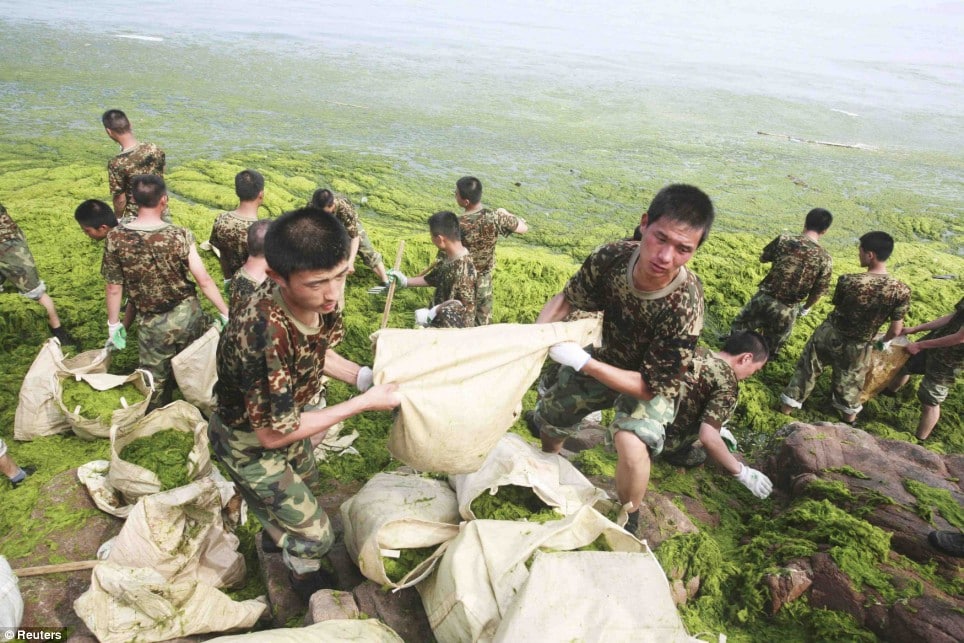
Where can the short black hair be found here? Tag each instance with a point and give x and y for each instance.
(305, 239)
(685, 204)
(818, 220)
(148, 189)
(470, 189)
(446, 224)
(248, 184)
(747, 341)
(322, 198)
(256, 232)
(116, 121)
(879, 243)
(94, 213)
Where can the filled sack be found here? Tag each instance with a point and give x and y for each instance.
(38, 413)
(95, 422)
(196, 370)
(461, 389)
(395, 525)
(883, 366)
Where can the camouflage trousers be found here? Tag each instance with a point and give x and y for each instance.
(451, 314)
(483, 298)
(162, 336)
(573, 395)
(366, 250)
(939, 376)
(848, 359)
(18, 267)
(281, 487)
(771, 317)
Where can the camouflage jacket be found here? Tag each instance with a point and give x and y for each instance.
(143, 158)
(270, 366)
(801, 269)
(230, 236)
(709, 396)
(345, 212)
(480, 230)
(8, 227)
(242, 286)
(652, 332)
(454, 279)
(863, 301)
(151, 263)
(951, 356)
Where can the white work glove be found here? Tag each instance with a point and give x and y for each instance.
(365, 379)
(804, 311)
(116, 335)
(728, 439)
(400, 279)
(569, 354)
(758, 484)
(425, 316)
(224, 320)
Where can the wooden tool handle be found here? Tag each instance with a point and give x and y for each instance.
(391, 284)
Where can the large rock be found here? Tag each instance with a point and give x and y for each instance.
(874, 471)
(400, 610)
(49, 599)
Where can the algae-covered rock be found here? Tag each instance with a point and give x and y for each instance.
(165, 453)
(98, 405)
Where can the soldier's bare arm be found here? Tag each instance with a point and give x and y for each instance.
(894, 330)
(618, 379)
(716, 449)
(204, 281)
(120, 202)
(114, 294)
(555, 310)
(340, 368)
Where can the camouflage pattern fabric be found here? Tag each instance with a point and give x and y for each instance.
(230, 236)
(18, 267)
(848, 359)
(772, 318)
(652, 332)
(863, 301)
(801, 269)
(480, 231)
(454, 279)
(483, 299)
(571, 396)
(270, 366)
(345, 212)
(8, 227)
(709, 396)
(950, 358)
(281, 488)
(143, 158)
(161, 336)
(242, 287)
(940, 366)
(452, 314)
(151, 263)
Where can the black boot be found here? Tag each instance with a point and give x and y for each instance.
(65, 338)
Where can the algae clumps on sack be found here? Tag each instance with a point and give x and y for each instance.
(397, 568)
(513, 502)
(95, 404)
(165, 453)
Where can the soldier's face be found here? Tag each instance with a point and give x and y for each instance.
(313, 291)
(665, 246)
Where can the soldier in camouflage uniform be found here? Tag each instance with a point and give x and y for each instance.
(230, 231)
(361, 245)
(453, 277)
(250, 275)
(17, 266)
(862, 302)
(652, 316)
(153, 259)
(481, 229)
(939, 357)
(707, 400)
(134, 158)
(801, 271)
(271, 361)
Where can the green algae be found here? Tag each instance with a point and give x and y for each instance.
(94, 404)
(397, 568)
(165, 453)
(931, 499)
(848, 470)
(597, 461)
(513, 502)
(253, 584)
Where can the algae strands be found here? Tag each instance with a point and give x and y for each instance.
(98, 405)
(513, 502)
(165, 453)
(397, 568)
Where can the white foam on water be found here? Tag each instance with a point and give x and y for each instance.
(843, 111)
(138, 37)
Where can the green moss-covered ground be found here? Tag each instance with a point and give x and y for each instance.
(581, 173)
